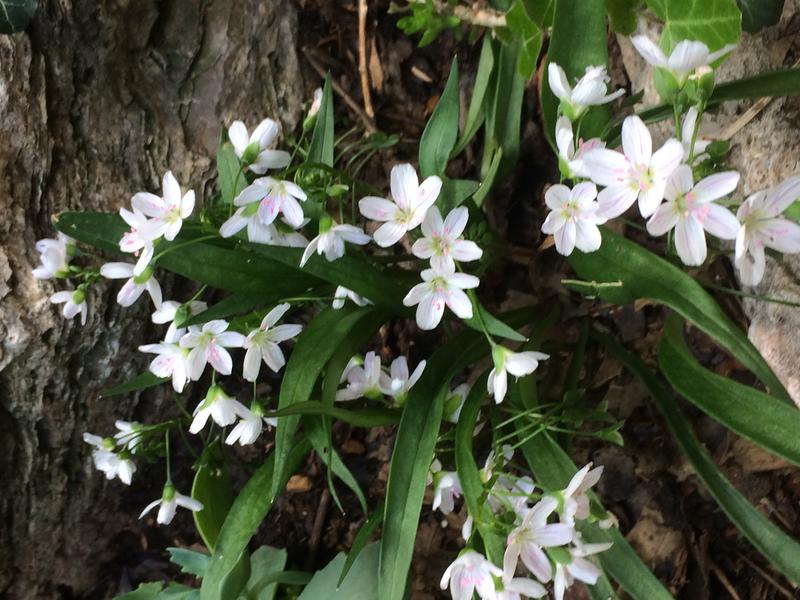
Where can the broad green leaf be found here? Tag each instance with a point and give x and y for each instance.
(477, 105)
(578, 41)
(321, 148)
(524, 27)
(439, 136)
(713, 22)
(178, 591)
(763, 419)
(191, 562)
(141, 382)
(454, 193)
(265, 564)
(469, 475)
(495, 326)
(360, 584)
(541, 11)
(503, 110)
(642, 274)
(248, 511)
(236, 303)
(16, 14)
(360, 541)
(782, 552)
(757, 14)
(212, 487)
(622, 15)
(314, 348)
(145, 591)
(231, 178)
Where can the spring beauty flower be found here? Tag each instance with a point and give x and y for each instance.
(172, 361)
(256, 150)
(208, 346)
(518, 587)
(138, 240)
(167, 212)
(691, 210)
(398, 382)
(577, 567)
(441, 288)
(342, 294)
(442, 242)
(170, 500)
(250, 425)
(128, 434)
(526, 542)
(570, 155)
(54, 257)
(687, 132)
(763, 227)
(518, 364)
(111, 463)
(363, 381)
(222, 409)
(410, 201)
(331, 239)
(455, 402)
(573, 217)
(470, 573)
(574, 501)
(266, 198)
(590, 90)
(687, 57)
(263, 343)
(74, 304)
(136, 284)
(169, 310)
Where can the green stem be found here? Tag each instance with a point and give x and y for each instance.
(732, 292)
(166, 445)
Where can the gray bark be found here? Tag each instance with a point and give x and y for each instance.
(98, 100)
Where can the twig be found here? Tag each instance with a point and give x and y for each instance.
(316, 532)
(367, 122)
(723, 579)
(474, 15)
(767, 576)
(362, 57)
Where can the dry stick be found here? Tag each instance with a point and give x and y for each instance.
(362, 57)
(316, 532)
(767, 576)
(367, 122)
(723, 579)
(474, 15)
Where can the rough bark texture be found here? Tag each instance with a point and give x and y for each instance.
(98, 100)
(765, 151)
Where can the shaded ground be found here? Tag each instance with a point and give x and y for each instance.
(667, 516)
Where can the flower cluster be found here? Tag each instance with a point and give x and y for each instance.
(366, 378)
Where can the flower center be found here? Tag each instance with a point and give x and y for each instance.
(641, 177)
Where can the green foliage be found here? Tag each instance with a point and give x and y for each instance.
(360, 541)
(477, 105)
(212, 487)
(713, 22)
(141, 382)
(757, 14)
(16, 14)
(439, 136)
(231, 178)
(361, 582)
(191, 562)
(425, 18)
(266, 565)
(321, 148)
(523, 25)
(622, 15)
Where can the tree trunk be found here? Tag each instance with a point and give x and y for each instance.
(98, 100)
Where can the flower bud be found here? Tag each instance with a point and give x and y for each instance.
(169, 492)
(251, 153)
(79, 296)
(144, 276)
(666, 84)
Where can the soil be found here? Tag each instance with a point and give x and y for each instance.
(668, 517)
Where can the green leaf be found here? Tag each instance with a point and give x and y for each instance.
(141, 382)
(578, 41)
(16, 14)
(212, 487)
(488, 180)
(266, 564)
(439, 136)
(231, 178)
(529, 33)
(757, 14)
(191, 562)
(492, 323)
(504, 111)
(642, 274)
(145, 591)
(780, 550)
(477, 105)
(314, 348)
(541, 11)
(454, 193)
(713, 22)
(236, 303)
(362, 417)
(360, 541)
(321, 148)
(248, 511)
(360, 583)
(775, 424)
(622, 15)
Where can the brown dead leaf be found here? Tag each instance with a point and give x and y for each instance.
(298, 483)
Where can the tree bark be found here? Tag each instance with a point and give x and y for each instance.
(98, 100)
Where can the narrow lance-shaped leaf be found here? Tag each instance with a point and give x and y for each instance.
(321, 148)
(477, 105)
(439, 136)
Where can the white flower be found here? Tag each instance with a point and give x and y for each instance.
(138, 240)
(687, 131)
(518, 364)
(109, 462)
(208, 346)
(222, 409)
(397, 382)
(690, 209)
(573, 217)
(315, 103)
(282, 235)
(470, 573)
(262, 343)
(342, 293)
(74, 304)
(172, 361)
(128, 435)
(455, 402)
(684, 60)
(570, 157)
(446, 489)
(250, 425)
(638, 173)
(575, 502)
(406, 210)
(167, 312)
(762, 227)
(167, 212)
(331, 239)
(526, 541)
(440, 288)
(443, 243)
(136, 284)
(170, 500)
(257, 148)
(362, 381)
(519, 587)
(590, 90)
(266, 198)
(54, 256)
(578, 568)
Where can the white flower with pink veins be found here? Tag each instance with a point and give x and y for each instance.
(258, 147)
(410, 201)
(265, 199)
(573, 217)
(470, 573)
(208, 346)
(167, 212)
(570, 153)
(442, 242)
(136, 284)
(441, 288)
